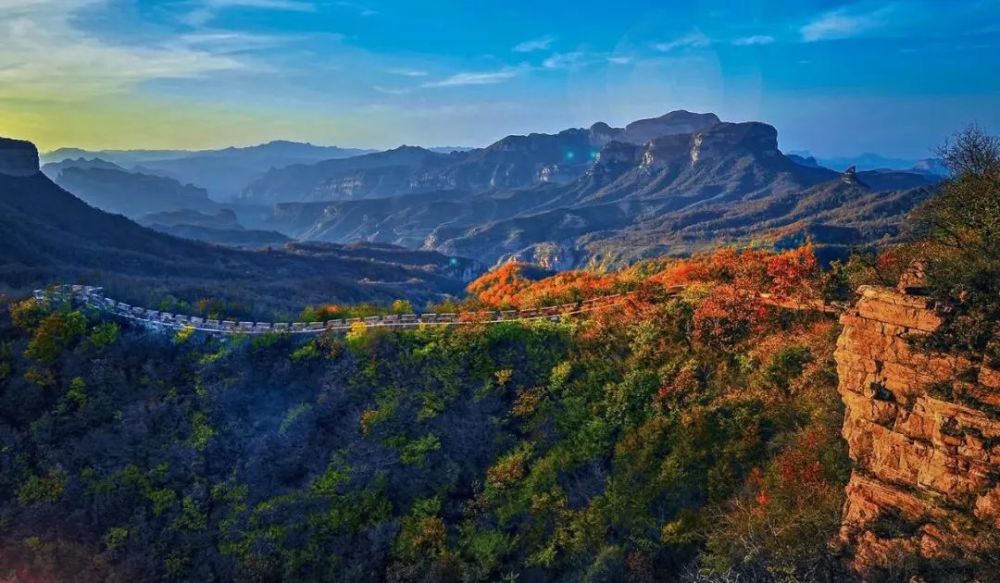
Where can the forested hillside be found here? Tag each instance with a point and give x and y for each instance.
(667, 437)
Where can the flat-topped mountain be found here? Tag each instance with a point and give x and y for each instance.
(18, 157)
(675, 122)
(512, 162)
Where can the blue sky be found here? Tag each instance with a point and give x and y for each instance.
(835, 78)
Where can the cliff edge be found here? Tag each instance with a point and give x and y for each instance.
(18, 158)
(923, 431)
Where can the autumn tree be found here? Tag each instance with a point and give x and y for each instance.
(959, 230)
(728, 316)
(793, 273)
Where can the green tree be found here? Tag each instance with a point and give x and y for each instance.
(54, 334)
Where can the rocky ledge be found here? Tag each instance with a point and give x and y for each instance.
(924, 436)
(18, 158)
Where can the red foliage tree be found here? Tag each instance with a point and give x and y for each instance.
(794, 273)
(728, 316)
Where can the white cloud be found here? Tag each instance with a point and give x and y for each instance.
(692, 40)
(228, 41)
(757, 39)
(361, 9)
(565, 60)
(845, 23)
(407, 72)
(390, 90)
(208, 9)
(537, 44)
(578, 59)
(42, 54)
(477, 78)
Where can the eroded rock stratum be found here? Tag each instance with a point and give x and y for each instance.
(924, 435)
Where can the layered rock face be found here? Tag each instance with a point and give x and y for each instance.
(18, 158)
(924, 435)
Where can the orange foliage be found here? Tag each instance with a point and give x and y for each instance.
(568, 287)
(726, 265)
(793, 273)
(501, 287)
(728, 316)
(783, 274)
(508, 287)
(730, 312)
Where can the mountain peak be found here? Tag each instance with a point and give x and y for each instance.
(18, 157)
(727, 138)
(850, 177)
(679, 115)
(672, 123)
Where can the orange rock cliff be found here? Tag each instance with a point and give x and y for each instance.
(923, 431)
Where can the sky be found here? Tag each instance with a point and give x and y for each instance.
(836, 78)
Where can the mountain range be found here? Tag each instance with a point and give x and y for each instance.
(873, 161)
(114, 189)
(512, 162)
(222, 173)
(222, 227)
(51, 236)
(597, 196)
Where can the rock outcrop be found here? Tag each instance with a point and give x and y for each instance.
(18, 158)
(673, 123)
(924, 436)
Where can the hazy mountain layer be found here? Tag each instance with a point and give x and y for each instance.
(116, 190)
(51, 236)
(223, 173)
(513, 162)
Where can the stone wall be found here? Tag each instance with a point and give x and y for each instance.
(924, 437)
(93, 297)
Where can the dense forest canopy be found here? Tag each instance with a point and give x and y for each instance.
(633, 442)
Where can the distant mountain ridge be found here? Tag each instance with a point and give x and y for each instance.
(513, 162)
(221, 227)
(223, 173)
(675, 193)
(49, 236)
(873, 161)
(111, 188)
(599, 195)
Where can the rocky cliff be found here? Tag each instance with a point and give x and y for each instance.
(18, 158)
(924, 435)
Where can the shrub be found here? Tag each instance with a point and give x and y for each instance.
(47, 488)
(54, 334)
(104, 335)
(728, 316)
